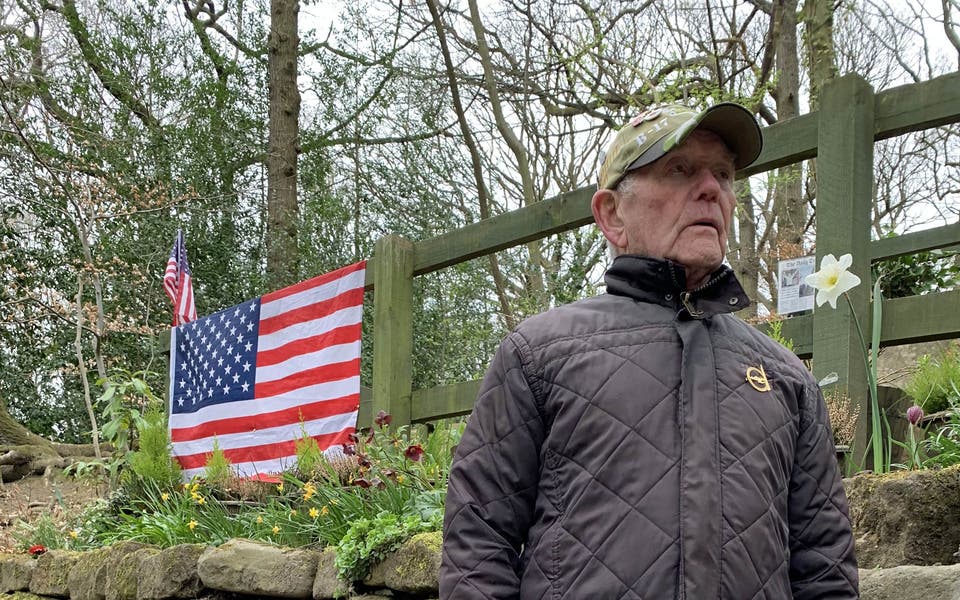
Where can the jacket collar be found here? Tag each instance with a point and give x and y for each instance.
(663, 282)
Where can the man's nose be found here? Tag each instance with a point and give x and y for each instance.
(709, 187)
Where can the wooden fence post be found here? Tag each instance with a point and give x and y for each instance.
(393, 328)
(844, 212)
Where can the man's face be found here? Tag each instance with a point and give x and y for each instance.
(680, 206)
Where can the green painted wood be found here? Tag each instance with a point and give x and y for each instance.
(365, 414)
(845, 194)
(393, 329)
(918, 106)
(921, 318)
(558, 214)
(905, 321)
(444, 401)
(785, 143)
(919, 241)
(369, 275)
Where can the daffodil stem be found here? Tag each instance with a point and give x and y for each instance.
(870, 362)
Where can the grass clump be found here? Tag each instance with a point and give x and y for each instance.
(934, 384)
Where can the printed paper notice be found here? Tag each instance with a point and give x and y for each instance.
(793, 295)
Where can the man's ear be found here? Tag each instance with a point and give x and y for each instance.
(605, 213)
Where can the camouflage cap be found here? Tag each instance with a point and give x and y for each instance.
(656, 131)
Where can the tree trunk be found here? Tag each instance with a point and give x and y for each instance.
(790, 214)
(282, 206)
(820, 57)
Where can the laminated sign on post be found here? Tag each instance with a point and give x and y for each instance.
(793, 295)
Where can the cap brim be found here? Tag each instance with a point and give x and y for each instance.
(738, 129)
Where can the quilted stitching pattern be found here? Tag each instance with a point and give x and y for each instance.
(605, 523)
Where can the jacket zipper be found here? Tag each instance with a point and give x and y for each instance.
(686, 298)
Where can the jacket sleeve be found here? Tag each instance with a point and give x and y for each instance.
(822, 562)
(493, 484)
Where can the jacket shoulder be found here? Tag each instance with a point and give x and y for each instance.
(578, 319)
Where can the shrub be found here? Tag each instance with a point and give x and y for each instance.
(152, 461)
(217, 471)
(936, 380)
(843, 416)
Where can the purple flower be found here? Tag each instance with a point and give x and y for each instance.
(914, 414)
(414, 452)
(382, 419)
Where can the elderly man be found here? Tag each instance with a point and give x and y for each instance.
(646, 443)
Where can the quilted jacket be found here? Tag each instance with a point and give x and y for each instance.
(646, 443)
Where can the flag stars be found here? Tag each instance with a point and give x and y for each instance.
(253, 306)
(250, 326)
(236, 377)
(237, 357)
(219, 381)
(247, 346)
(226, 389)
(246, 367)
(227, 369)
(219, 362)
(239, 339)
(245, 386)
(236, 311)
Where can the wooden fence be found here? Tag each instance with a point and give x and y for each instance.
(840, 135)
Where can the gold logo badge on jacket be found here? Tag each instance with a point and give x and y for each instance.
(757, 378)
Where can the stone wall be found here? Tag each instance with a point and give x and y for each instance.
(907, 518)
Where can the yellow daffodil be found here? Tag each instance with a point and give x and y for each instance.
(201, 500)
(308, 491)
(832, 279)
(400, 478)
(280, 487)
(259, 519)
(314, 513)
(293, 513)
(74, 533)
(333, 501)
(275, 529)
(164, 496)
(324, 511)
(192, 524)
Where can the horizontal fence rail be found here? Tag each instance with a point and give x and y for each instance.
(894, 112)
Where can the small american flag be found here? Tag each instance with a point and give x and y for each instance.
(178, 283)
(254, 377)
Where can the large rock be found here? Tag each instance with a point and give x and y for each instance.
(248, 567)
(52, 574)
(15, 572)
(414, 568)
(90, 578)
(911, 583)
(327, 584)
(171, 573)
(122, 573)
(906, 517)
(87, 578)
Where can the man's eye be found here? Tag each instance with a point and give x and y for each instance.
(677, 169)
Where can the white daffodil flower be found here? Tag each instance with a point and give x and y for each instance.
(832, 279)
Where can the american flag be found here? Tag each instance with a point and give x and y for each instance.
(254, 377)
(178, 283)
